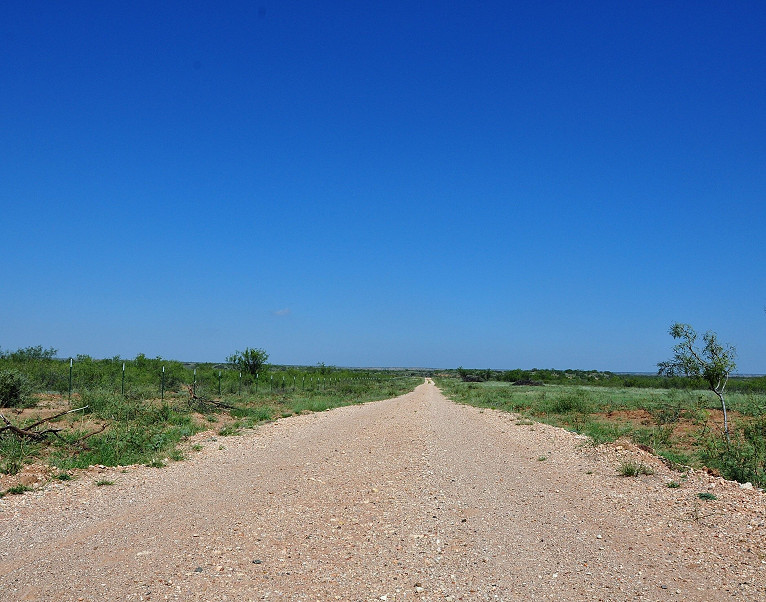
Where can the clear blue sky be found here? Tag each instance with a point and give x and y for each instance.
(495, 185)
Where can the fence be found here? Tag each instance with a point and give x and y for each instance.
(150, 378)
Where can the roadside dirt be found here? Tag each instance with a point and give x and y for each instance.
(412, 498)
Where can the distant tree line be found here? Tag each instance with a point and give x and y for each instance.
(601, 378)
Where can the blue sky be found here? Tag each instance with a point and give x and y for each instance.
(496, 184)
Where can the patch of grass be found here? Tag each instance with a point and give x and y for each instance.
(631, 468)
(155, 463)
(15, 453)
(11, 466)
(542, 458)
(603, 432)
(103, 482)
(230, 429)
(18, 489)
(706, 495)
(577, 401)
(257, 413)
(64, 476)
(197, 447)
(673, 485)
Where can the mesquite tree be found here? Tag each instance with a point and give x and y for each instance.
(250, 360)
(712, 363)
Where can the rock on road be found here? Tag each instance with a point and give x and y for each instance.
(412, 498)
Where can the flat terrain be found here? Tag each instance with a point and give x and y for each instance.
(412, 498)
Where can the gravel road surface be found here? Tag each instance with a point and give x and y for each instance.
(412, 498)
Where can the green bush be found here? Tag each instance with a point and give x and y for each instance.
(14, 389)
(574, 402)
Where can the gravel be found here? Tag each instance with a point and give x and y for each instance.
(412, 498)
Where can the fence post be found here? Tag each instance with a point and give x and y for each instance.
(162, 385)
(219, 383)
(194, 382)
(122, 386)
(70, 377)
(240, 384)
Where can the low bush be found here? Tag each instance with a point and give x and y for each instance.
(15, 389)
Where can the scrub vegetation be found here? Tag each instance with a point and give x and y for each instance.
(121, 412)
(676, 417)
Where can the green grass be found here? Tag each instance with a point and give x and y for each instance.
(140, 428)
(230, 429)
(18, 489)
(674, 423)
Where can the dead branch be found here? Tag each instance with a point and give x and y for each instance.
(198, 402)
(35, 435)
(19, 432)
(219, 404)
(89, 435)
(31, 426)
(193, 397)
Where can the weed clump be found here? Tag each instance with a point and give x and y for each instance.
(631, 468)
(18, 489)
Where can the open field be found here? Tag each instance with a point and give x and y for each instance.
(684, 426)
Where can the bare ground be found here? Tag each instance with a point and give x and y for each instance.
(413, 498)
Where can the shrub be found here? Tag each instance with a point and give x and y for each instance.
(14, 389)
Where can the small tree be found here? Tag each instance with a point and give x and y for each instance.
(712, 363)
(251, 361)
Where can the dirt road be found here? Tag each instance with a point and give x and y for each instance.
(413, 498)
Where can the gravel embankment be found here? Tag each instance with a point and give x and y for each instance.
(413, 498)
